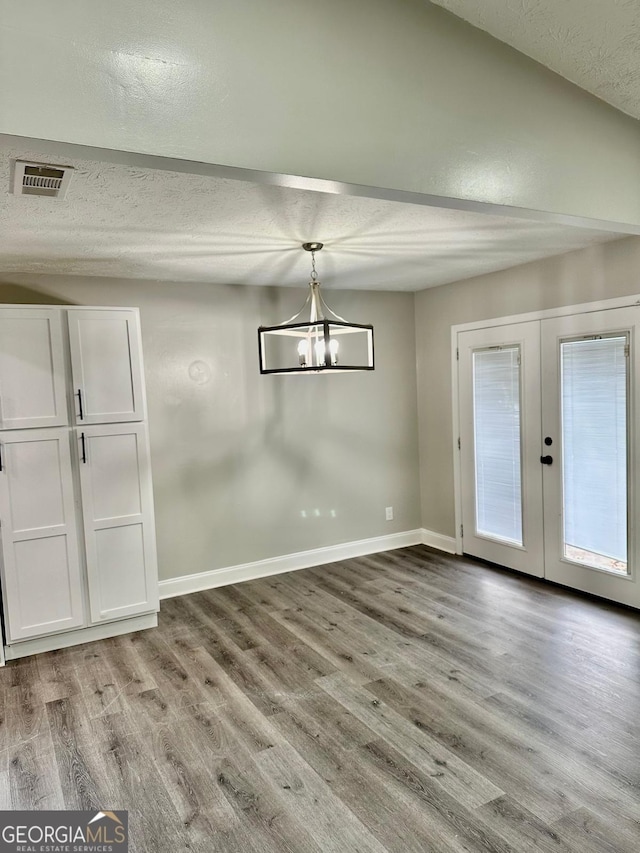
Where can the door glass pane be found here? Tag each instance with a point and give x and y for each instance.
(496, 414)
(594, 441)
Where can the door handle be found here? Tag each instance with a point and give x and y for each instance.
(80, 410)
(546, 460)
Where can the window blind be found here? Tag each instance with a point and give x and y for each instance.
(594, 440)
(496, 412)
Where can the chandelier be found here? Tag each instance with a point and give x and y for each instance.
(316, 339)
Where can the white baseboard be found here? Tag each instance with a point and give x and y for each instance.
(439, 541)
(290, 563)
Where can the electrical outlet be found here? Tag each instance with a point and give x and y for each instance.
(388, 513)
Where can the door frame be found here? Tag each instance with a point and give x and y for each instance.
(562, 311)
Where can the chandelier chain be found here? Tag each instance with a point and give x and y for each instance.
(314, 274)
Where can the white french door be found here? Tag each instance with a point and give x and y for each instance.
(589, 370)
(499, 382)
(548, 429)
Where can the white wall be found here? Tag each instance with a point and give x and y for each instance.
(601, 272)
(385, 93)
(247, 467)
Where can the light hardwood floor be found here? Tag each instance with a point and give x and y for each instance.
(408, 701)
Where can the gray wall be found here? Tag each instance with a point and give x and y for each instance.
(245, 466)
(601, 272)
(248, 467)
(385, 93)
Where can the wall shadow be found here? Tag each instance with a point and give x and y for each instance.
(19, 294)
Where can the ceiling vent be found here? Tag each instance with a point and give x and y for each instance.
(41, 179)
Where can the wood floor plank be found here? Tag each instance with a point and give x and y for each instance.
(326, 818)
(24, 720)
(321, 718)
(412, 626)
(208, 733)
(584, 831)
(127, 668)
(175, 616)
(417, 665)
(21, 673)
(608, 771)
(5, 792)
(168, 671)
(284, 673)
(246, 724)
(134, 783)
(111, 728)
(449, 772)
(32, 776)
(261, 809)
(524, 831)
(263, 629)
(209, 677)
(81, 789)
(198, 800)
(384, 806)
(337, 650)
(231, 659)
(100, 689)
(405, 702)
(492, 748)
(58, 677)
(464, 830)
(272, 594)
(150, 709)
(250, 728)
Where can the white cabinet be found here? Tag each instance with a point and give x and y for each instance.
(77, 536)
(32, 383)
(106, 366)
(117, 508)
(42, 583)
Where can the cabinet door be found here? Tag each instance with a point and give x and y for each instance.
(117, 506)
(106, 366)
(42, 588)
(32, 387)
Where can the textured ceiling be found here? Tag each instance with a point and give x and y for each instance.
(593, 43)
(142, 223)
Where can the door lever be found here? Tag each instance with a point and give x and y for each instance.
(546, 460)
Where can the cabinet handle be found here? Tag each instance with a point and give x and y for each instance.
(84, 448)
(1, 468)
(79, 396)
